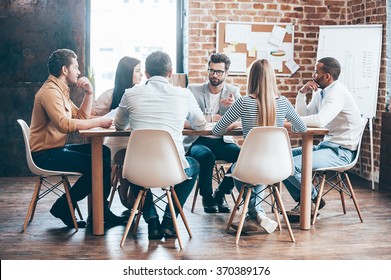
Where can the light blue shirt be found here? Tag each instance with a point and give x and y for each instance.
(157, 104)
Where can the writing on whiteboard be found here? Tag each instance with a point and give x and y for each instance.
(360, 62)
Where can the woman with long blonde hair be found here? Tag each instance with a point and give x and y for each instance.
(262, 106)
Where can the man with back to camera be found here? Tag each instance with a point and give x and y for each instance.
(55, 116)
(219, 96)
(157, 104)
(332, 106)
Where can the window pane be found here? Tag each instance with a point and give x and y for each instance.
(129, 28)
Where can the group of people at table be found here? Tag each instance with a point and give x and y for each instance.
(159, 105)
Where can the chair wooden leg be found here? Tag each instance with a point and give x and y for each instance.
(173, 217)
(197, 189)
(341, 188)
(233, 196)
(89, 204)
(114, 183)
(275, 210)
(236, 208)
(79, 212)
(76, 205)
(320, 193)
(234, 199)
(140, 210)
(281, 205)
(33, 203)
(243, 216)
(221, 172)
(70, 204)
(353, 197)
(41, 180)
(180, 209)
(131, 217)
(217, 173)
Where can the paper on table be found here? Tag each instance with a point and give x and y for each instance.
(111, 114)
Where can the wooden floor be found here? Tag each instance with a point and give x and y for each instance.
(334, 237)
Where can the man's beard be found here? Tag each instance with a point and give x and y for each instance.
(216, 82)
(319, 85)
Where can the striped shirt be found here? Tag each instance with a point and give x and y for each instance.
(246, 108)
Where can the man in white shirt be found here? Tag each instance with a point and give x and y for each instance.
(332, 106)
(158, 104)
(218, 96)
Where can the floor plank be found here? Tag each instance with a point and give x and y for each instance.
(335, 236)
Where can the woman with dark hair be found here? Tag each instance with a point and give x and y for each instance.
(127, 75)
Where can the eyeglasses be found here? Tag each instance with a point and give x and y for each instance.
(217, 72)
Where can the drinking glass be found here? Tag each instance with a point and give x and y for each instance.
(209, 115)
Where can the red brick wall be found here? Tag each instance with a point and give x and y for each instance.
(372, 12)
(307, 16)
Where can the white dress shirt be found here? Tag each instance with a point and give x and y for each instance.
(159, 105)
(337, 111)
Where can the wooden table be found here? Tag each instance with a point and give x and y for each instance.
(97, 135)
(306, 174)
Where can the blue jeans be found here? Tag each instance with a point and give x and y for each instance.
(182, 190)
(206, 151)
(326, 154)
(257, 194)
(76, 158)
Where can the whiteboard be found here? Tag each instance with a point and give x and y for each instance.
(358, 50)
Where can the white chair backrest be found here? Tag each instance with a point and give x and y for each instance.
(265, 156)
(343, 168)
(363, 125)
(353, 163)
(30, 162)
(152, 159)
(26, 135)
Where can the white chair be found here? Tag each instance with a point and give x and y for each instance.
(339, 181)
(152, 161)
(44, 180)
(218, 176)
(265, 158)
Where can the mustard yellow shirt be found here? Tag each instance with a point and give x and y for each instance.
(52, 117)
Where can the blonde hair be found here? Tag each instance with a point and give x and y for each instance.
(262, 84)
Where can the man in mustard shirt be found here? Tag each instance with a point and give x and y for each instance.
(54, 117)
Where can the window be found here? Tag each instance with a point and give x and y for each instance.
(129, 28)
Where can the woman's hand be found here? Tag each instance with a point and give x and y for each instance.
(105, 122)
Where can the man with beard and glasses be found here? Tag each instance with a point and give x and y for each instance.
(217, 96)
(332, 106)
